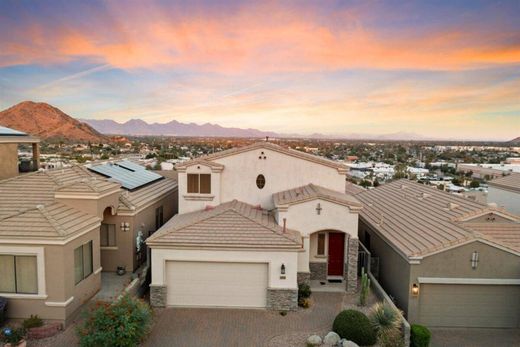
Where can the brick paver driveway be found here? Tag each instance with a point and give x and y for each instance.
(236, 327)
(459, 337)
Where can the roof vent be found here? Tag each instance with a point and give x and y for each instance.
(492, 204)
(382, 220)
(452, 206)
(40, 207)
(403, 186)
(426, 195)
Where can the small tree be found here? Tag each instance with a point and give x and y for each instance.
(440, 187)
(474, 184)
(365, 288)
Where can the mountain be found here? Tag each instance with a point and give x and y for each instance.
(515, 141)
(172, 128)
(48, 123)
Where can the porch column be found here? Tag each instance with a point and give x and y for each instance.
(304, 275)
(36, 156)
(352, 264)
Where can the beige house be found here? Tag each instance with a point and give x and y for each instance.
(59, 229)
(10, 139)
(447, 261)
(253, 223)
(505, 192)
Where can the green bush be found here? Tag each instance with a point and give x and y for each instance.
(304, 292)
(120, 324)
(419, 336)
(12, 335)
(386, 321)
(32, 322)
(355, 326)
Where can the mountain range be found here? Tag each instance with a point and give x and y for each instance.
(48, 123)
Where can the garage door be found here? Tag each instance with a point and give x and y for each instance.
(456, 305)
(216, 284)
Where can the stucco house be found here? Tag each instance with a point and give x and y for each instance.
(254, 222)
(505, 192)
(60, 229)
(447, 261)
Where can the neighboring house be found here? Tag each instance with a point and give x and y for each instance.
(254, 222)
(9, 141)
(446, 260)
(60, 228)
(505, 192)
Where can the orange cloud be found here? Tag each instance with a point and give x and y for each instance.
(263, 39)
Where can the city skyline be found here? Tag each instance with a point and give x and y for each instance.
(441, 71)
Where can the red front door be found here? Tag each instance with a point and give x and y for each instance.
(336, 254)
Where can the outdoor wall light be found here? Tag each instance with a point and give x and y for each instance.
(474, 260)
(415, 289)
(125, 226)
(282, 269)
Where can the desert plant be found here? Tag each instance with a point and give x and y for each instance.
(304, 292)
(386, 321)
(122, 323)
(365, 288)
(354, 326)
(419, 336)
(32, 322)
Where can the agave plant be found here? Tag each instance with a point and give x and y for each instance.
(386, 321)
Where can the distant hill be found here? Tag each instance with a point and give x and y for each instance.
(172, 128)
(515, 141)
(48, 123)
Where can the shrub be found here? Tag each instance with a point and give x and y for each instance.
(32, 322)
(304, 292)
(12, 335)
(120, 324)
(419, 336)
(355, 326)
(386, 321)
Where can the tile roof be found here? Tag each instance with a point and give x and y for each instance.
(133, 200)
(232, 224)
(419, 220)
(509, 182)
(353, 189)
(270, 146)
(507, 234)
(311, 192)
(55, 221)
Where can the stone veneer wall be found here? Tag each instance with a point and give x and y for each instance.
(304, 277)
(158, 296)
(282, 299)
(318, 271)
(351, 267)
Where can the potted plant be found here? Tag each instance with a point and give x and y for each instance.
(121, 270)
(13, 337)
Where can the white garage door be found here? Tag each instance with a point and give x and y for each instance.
(456, 305)
(216, 284)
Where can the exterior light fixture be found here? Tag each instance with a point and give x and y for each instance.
(474, 260)
(125, 226)
(415, 289)
(282, 269)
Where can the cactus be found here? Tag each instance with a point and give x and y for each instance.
(365, 287)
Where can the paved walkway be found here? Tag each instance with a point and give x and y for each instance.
(240, 327)
(465, 337)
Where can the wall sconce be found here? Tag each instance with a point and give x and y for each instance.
(125, 226)
(474, 260)
(415, 289)
(282, 269)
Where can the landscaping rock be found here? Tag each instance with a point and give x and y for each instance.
(331, 339)
(348, 343)
(314, 340)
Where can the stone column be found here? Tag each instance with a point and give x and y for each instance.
(158, 295)
(282, 299)
(351, 266)
(36, 156)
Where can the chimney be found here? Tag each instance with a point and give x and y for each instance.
(284, 225)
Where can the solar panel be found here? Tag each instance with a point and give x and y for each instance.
(10, 132)
(131, 176)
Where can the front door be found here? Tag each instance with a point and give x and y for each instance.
(336, 254)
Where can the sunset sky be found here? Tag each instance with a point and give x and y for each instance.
(331, 67)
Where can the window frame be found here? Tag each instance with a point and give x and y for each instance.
(16, 274)
(323, 253)
(107, 245)
(84, 275)
(194, 185)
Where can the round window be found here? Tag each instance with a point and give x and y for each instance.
(260, 181)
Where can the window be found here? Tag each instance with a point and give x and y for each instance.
(108, 235)
(260, 181)
(19, 274)
(321, 244)
(199, 183)
(159, 217)
(82, 262)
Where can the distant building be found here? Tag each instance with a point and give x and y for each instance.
(505, 192)
(10, 165)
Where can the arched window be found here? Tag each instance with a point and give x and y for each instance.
(260, 181)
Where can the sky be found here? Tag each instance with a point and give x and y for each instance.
(439, 69)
